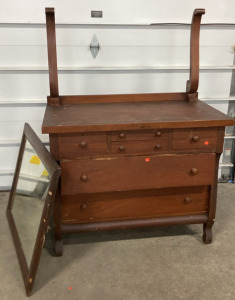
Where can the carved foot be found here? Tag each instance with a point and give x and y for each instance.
(58, 248)
(207, 229)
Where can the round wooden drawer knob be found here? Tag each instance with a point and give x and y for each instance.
(194, 171)
(121, 148)
(84, 177)
(158, 133)
(157, 146)
(195, 138)
(83, 144)
(187, 200)
(122, 135)
(83, 206)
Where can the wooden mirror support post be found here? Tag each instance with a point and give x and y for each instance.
(192, 83)
(52, 58)
(133, 160)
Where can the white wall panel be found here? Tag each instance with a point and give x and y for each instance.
(219, 105)
(25, 46)
(69, 56)
(23, 56)
(22, 113)
(216, 55)
(8, 157)
(30, 85)
(12, 130)
(24, 85)
(214, 84)
(168, 35)
(122, 11)
(5, 181)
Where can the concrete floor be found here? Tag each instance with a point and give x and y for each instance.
(164, 263)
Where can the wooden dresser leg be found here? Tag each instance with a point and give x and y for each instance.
(57, 224)
(207, 230)
(207, 227)
(58, 247)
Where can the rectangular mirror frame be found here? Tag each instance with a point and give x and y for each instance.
(53, 169)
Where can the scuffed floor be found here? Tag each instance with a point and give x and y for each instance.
(164, 263)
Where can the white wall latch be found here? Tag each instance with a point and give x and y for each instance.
(94, 46)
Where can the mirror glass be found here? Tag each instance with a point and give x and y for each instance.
(31, 191)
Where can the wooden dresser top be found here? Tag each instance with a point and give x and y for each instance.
(131, 115)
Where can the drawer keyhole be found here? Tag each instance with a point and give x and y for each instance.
(84, 177)
(83, 144)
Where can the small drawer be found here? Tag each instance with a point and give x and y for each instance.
(152, 146)
(139, 135)
(136, 172)
(86, 208)
(195, 139)
(71, 146)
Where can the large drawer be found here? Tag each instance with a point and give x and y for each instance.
(71, 146)
(140, 172)
(86, 208)
(194, 139)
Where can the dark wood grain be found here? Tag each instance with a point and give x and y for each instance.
(72, 146)
(127, 173)
(112, 98)
(29, 271)
(139, 135)
(152, 146)
(127, 116)
(207, 231)
(195, 139)
(141, 204)
(58, 248)
(57, 217)
(220, 140)
(52, 57)
(192, 84)
(131, 160)
(112, 225)
(54, 146)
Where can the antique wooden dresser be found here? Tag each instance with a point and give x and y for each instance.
(134, 160)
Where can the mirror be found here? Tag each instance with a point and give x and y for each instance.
(30, 195)
(31, 198)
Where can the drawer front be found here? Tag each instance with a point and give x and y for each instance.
(152, 146)
(131, 173)
(101, 207)
(202, 139)
(139, 135)
(78, 145)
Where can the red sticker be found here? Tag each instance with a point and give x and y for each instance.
(206, 142)
(147, 159)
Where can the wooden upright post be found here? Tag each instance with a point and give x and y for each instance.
(192, 83)
(53, 99)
